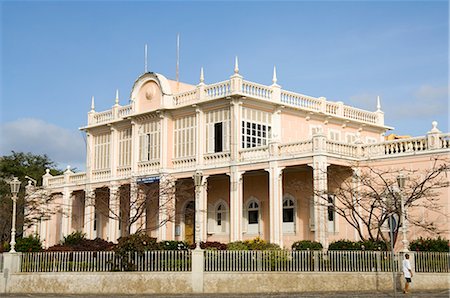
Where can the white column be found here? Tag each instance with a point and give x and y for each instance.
(114, 209)
(66, 220)
(204, 208)
(320, 188)
(235, 131)
(134, 189)
(164, 140)
(89, 214)
(275, 204)
(236, 203)
(166, 211)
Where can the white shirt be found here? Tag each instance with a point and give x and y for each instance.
(406, 268)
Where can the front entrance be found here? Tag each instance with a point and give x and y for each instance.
(189, 222)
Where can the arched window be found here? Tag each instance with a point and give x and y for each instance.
(253, 216)
(218, 217)
(289, 214)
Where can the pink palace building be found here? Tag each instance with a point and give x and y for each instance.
(228, 161)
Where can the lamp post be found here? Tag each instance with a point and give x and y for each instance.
(198, 177)
(401, 184)
(15, 186)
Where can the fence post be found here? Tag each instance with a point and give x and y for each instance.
(378, 258)
(11, 264)
(198, 268)
(316, 260)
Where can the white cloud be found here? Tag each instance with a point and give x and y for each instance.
(426, 101)
(39, 137)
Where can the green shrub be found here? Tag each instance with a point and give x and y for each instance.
(27, 244)
(306, 245)
(84, 245)
(73, 239)
(429, 244)
(173, 245)
(358, 245)
(237, 245)
(213, 245)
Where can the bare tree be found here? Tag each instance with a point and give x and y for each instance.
(366, 196)
(148, 206)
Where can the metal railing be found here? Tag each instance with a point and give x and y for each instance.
(432, 262)
(104, 261)
(299, 261)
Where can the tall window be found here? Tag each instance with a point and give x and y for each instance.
(288, 214)
(253, 213)
(102, 151)
(125, 147)
(218, 131)
(350, 138)
(184, 137)
(149, 140)
(334, 135)
(256, 128)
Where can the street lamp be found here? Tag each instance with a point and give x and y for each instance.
(198, 177)
(15, 186)
(401, 179)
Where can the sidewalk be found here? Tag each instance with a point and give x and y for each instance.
(434, 294)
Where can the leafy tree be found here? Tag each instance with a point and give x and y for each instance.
(20, 164)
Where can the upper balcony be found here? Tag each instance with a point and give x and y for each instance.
(434, 143)
(235, 86)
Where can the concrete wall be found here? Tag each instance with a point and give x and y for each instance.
(220, 282)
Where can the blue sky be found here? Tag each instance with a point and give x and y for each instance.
(56, 55)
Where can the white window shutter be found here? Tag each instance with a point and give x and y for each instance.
(211, 219)
(226, 135)
(210, 139)
(244, 220)
(311, 215)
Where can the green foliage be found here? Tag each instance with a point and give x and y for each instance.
(214, 245)
(254, 244)
(306, 245)
(138, 242)
(428, 244)
(74, 238)
(358, 245)
(173, 245)
(237, 245)
(27, 244)
(83, 245)
(19, 164)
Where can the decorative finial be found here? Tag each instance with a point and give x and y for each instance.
(378, 104)
(92, 104)
(202, 77)
(274, 78)
(47, 171)
(236, 65)
(434, 128)
(117, 96)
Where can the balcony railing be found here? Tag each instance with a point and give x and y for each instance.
(388, 149)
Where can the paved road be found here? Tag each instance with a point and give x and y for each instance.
(421, 294)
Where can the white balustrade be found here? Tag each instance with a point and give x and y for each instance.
(125, 111)
(301, 100)
(445, 140)
(216, 90)
(402, 146)
(252, 154)
(342, 149)
(217, 158)
(295, 148)
(256, 90)
(185, 97)
(77, 178)
(184, 162)
(124, 171)
(102, 174)
(360, 115)
(331, 108)
(103, 117)
(145, 167)
(56, 180)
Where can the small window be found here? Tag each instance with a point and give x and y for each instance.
(253, 213)
(218, 137)
(288, 211)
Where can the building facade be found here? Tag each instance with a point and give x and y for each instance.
(227, 161)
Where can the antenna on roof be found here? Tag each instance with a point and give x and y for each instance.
(145, 58)
(178, 62)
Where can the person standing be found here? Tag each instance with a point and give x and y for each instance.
(407, 272)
